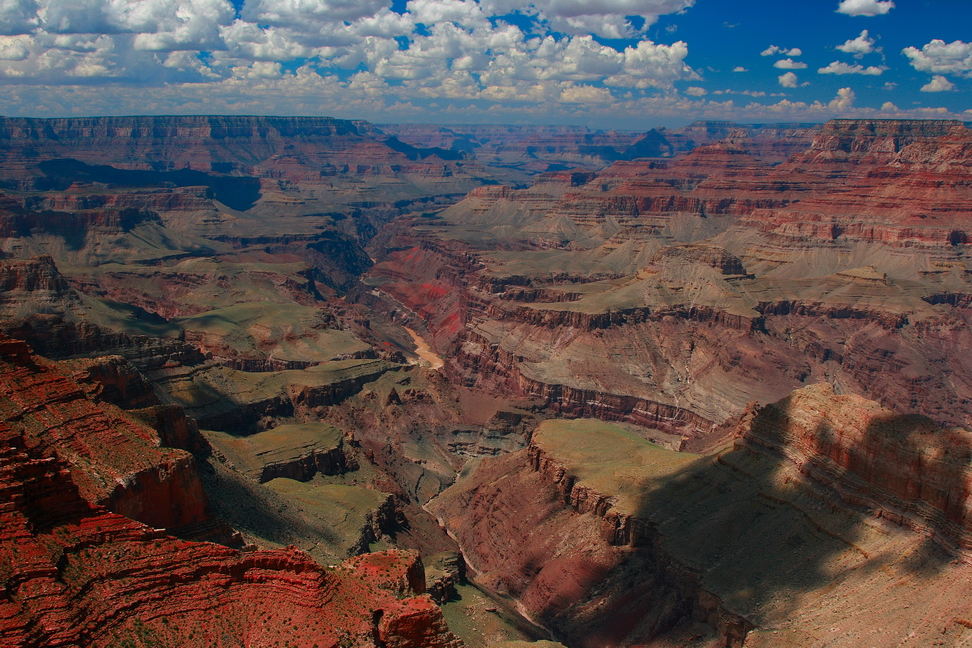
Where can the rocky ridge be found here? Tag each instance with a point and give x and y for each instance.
(77, 574)
(685, 527)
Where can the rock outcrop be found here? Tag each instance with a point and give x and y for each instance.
(219, 144)
(618, 540)
(551, 148)
(75, 574)
(116, 459)
(902, 468)
(289, 451)
(32, 286)
(242, 403)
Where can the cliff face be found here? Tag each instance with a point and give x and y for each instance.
(74, 573)
(38, 305)
(846, 143)
(683, 345)
(175, 142)
(905, 469)
(617, 540)
(222, 152)
(902, 185)
(33, 286)
(551, 148)
(879, 164)
(116, 460)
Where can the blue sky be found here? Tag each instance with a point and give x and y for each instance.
(629, 64)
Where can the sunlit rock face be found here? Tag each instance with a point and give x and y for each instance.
(88, 500)
(606, 536)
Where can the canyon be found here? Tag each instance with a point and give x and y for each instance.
(315, 382)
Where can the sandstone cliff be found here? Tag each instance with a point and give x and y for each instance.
(75, 574)
(902, 468)
(615, 539)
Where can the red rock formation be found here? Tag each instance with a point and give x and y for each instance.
(593, 576)
(400, 572)
(538, 147)
(829, 279)
(843, 144)
(292, 148)
(31, 285)
(903, 184)
(414, 623)
(115, 380)
(74, 574)
(813, 481)
(82, 198)
(79, 222)
(116, 460)
(902, 468)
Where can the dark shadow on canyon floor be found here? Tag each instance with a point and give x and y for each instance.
(253, 509)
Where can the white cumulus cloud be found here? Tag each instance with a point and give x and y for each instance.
(838, 67)
(938, 57)
(259, 70)
(18, 17)
(360, 58)
(859, 46)
(179, 24)
(189, 22)
(844, 100)
(773, 50)
(189, 62)
(247, 41)
(649, 9)
(585, 95)
(789, 64)
(653, 65)
(48, 58)
(14, 48)
(464, 12)
(608, 26)
(306, 14)
(938, 84)
(604, 18)
(385, 24)
(865, 7)
(447, 44)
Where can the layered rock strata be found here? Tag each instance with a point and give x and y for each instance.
(75, 574)
(116, 459)
(773, 276)
(902, 468)
(627, 543)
